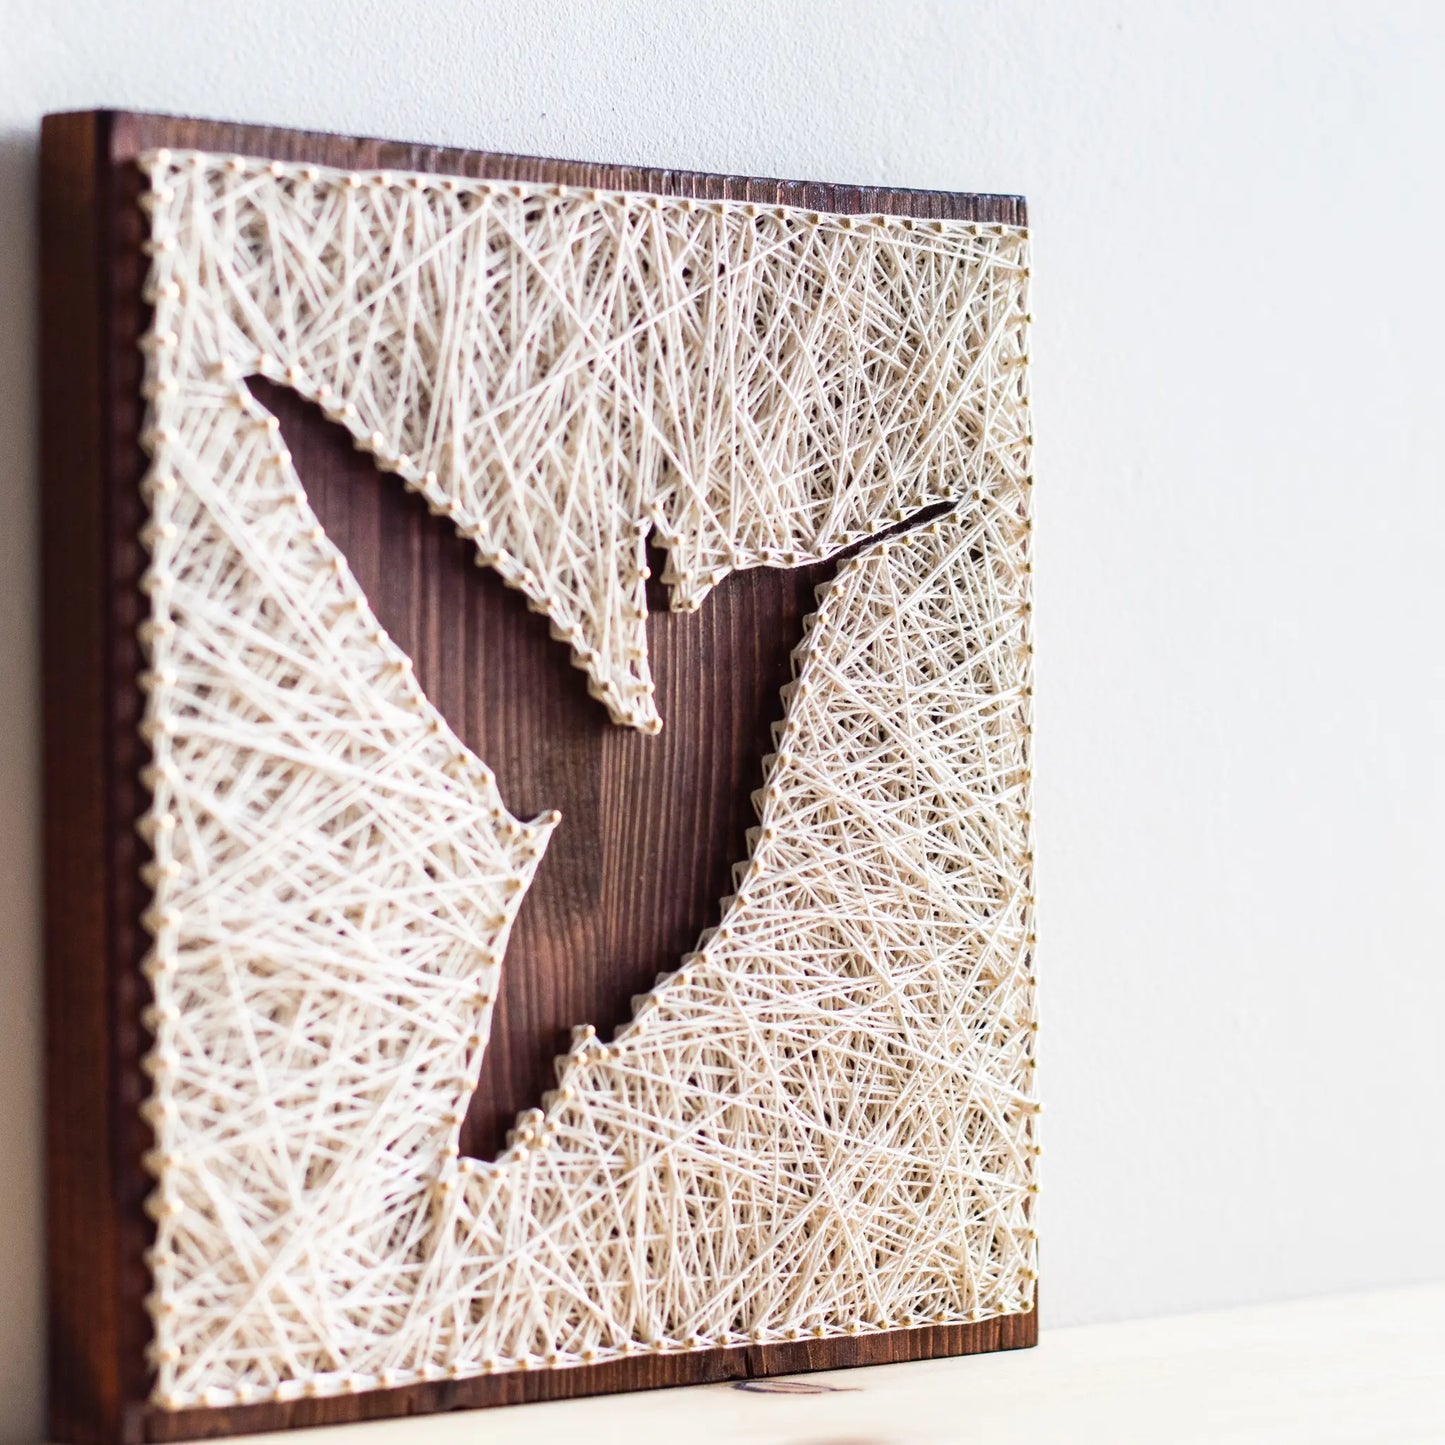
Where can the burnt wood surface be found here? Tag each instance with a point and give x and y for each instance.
(651, 825)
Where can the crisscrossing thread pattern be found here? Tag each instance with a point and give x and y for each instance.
(823, 1122)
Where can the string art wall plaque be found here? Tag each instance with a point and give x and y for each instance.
(538, 694)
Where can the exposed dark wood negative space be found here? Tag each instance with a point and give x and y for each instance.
(652, 825)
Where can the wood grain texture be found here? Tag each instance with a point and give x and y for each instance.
(79, 1177)
(92, 316)
(652, 825)
(650, 1372)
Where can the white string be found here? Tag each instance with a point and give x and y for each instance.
(823, 1122)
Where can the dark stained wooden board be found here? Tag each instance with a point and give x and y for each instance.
(652, 825)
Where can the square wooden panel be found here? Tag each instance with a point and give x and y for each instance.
(653, 831)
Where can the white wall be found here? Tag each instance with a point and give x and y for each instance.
(1240, 329)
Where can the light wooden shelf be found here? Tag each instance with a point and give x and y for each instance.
(1337, 1371)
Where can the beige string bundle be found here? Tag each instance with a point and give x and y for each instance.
(823, 1122)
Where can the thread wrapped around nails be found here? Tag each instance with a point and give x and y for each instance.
(822, 1124)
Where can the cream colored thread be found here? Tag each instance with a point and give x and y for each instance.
(823, 1121)
(565, 369)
